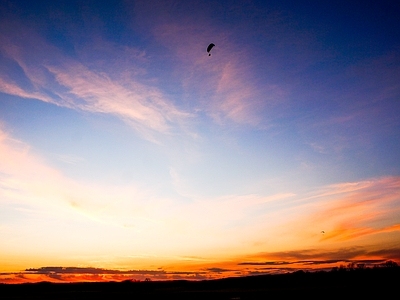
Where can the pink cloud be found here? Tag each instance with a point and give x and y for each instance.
(85, 87)
(223, 84)
(9, 87)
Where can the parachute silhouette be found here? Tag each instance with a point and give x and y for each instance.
(209, 48)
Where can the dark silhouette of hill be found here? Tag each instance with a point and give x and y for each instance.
(344, 283)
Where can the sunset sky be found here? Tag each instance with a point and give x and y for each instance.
(126, 152)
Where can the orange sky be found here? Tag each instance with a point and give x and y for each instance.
(127, 152)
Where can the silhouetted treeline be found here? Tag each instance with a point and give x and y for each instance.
(347, 282)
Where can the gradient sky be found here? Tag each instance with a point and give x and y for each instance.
(127, 152)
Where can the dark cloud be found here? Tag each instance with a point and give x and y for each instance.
(341, 254)
(315, 257)
(371, 261)
(60, 273)
(289, 261)
(56, 276)
(271, 263)
(20, 275)
(78, 270)
(218, 270)
(392, 253)
(321, 262)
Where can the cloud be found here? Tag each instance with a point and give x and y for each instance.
(131, 85)
(363, 208)
(218, 270)
(97, 88)
(143, 107)
(354, 205)
(11, 88)
(269, 263)
(222, 86)
(82, 270)
(320, 257)
(88, 274)
(352, 215)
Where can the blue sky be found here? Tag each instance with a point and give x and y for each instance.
(120, 138)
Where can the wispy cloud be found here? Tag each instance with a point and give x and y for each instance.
(347, 214)
(76, 86)
(223, 85)
(365, 208)
(141, 106)
(11, 88)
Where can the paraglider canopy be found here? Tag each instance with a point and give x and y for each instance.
(209, 48)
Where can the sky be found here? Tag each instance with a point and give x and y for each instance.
(127, 152)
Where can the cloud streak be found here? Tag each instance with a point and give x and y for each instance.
(224, 84)
(142, 106)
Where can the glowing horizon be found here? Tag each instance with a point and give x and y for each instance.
(126, 149)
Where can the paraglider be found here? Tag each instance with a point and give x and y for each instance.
(209, 48)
